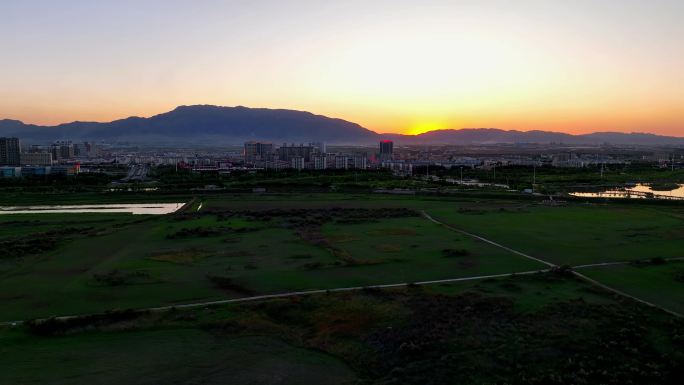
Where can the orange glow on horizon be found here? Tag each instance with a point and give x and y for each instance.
(392, 67)
(595, 122)
(425, 126)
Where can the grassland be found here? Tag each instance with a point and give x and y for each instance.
(577, 233)
(657, 283)
(137, 262)
(168, 356)
(537, 329)
(525, 329)
(242, 245)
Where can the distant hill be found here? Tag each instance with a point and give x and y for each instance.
(205, 124)
(469, 136)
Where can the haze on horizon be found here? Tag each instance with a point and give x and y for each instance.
(389, 65)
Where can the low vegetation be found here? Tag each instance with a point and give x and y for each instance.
(541, 328)
(476, 334)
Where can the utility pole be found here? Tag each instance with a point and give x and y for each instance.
(461, 174)
(534, 176)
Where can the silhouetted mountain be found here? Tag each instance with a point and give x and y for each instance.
(470, 136)
(206, 124)
(489, 136)
(203, 124)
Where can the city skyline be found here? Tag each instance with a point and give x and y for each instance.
(402, 67)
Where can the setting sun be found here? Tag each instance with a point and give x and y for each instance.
(425, 126)
(392, 68)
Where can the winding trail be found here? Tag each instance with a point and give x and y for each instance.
(300, 293)
(290, 294)
(430, 218)
(602, 264)
(552, 265)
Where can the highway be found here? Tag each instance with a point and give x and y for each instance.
(136, 173)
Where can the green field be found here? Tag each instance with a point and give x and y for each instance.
(249, 245)
(521, 330)
(168, 356)
(660, 284)
(577, 233)
(524, 329)
(136, 262)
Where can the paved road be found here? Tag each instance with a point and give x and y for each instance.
(580, 275)
(136, 172)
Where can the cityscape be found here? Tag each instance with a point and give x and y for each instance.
(66, 157)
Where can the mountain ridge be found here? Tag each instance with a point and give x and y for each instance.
(201, 124)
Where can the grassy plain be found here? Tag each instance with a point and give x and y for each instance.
(250, 244)
(577, 233)
(531, 329)
(536, 329)
(662, 284)
(136, 261)
(165, 356)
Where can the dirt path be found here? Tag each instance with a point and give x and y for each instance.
(405, 284)
(552, 265)
(303, 293)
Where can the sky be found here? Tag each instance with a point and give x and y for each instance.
(400, 66)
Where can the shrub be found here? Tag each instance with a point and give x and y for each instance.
(227, 283)
(658, 260)
(453, 253)
(55, 326)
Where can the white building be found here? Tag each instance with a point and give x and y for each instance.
(320, 163)
(298, 162)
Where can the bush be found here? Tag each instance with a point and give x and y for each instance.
(56, 326)
(453, 253)
(658, 260)
(227, 283)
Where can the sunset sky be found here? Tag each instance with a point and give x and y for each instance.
(389, 65)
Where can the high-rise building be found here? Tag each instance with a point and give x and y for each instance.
(92, 150)
(319, 147)
(255, 151)
(298, 162)
(286, 152)
(36, 159)
(360, 162)
(36, 148)
(341, 162)
(63, 149)
(320, 162)
(386, 149)
(330, 160)
(10, 152)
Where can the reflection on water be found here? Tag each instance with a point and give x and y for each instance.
(132, 208)
(640, 191)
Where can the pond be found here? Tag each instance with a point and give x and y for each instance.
(132, 208)
(639, 191)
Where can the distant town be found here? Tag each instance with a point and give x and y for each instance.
(69, 158)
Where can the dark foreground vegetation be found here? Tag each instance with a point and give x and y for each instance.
(494, 332)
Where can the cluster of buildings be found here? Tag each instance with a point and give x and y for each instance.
(312, 156)
(66, 157)
(56, 158)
